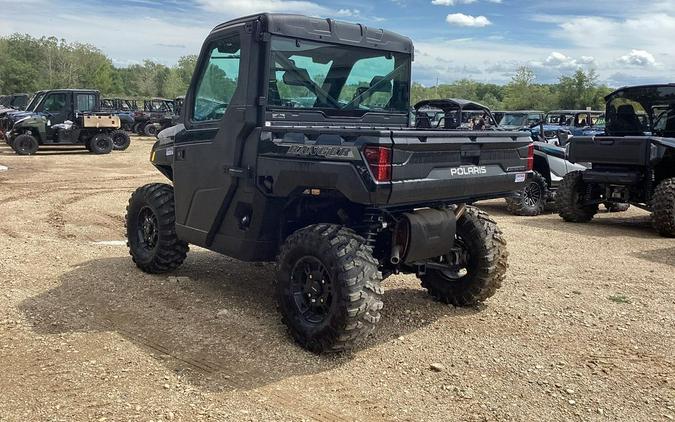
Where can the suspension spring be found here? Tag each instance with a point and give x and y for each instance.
(373, 223)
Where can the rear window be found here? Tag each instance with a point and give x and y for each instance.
(86, 102)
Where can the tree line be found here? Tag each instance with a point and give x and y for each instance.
(576, 91)
(29, 64)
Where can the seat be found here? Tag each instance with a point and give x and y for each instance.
(626, 122)
(422, 120)
(669, 130)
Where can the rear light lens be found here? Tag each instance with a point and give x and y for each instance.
(379, 161)
(530, 157)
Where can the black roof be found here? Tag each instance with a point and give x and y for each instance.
(575, 111)
(326, 30)
(519, 111)
(452, 103)
(639, 87)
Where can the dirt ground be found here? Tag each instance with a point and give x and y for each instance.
(583, 329)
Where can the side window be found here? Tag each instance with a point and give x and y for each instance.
(86, 102)
(55, 103)
(218, 80)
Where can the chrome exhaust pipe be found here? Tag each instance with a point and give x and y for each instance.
(395, 255)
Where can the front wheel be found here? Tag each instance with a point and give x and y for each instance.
(328, 288)
(475, 268)
(570, 199)
(121, 140)
(101, 144)
(531, 200)
(151, 230)
(25, 145)
(663, 208)
(150, 130)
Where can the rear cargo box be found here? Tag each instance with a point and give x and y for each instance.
(632, 151)
(101, 121)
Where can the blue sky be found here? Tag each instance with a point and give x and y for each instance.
(626, 42)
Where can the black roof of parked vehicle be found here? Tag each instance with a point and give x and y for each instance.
(575, 111)
(327, 30)
(452, 102)
(518, 111)
(627, 89)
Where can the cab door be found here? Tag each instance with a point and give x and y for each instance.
(55, 107)
(206, 153)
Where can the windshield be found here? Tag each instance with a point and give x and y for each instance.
(513, 120)
(337, 79)
(35, 101)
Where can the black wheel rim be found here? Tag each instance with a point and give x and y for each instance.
(119, 140)
(532, 194)
(101, 143)
(148, 229)
(311, 289)
(25, 145)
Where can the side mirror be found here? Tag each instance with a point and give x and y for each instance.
(297, 77)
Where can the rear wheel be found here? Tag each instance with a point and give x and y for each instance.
(476, 267)
(151, 229)
(101, 144)
(663, 208)
(531, 200)
(570, 198)
(25, 144)
(150, 130)
(328, 288)
(121, 140)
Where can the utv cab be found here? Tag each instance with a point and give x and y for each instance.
(64, 117)
(634, 161)
(294, 144)
(453, 113)
(156, 116)
(14, 101)
(573, 122)
(520, 119)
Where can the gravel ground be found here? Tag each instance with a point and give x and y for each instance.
(583, 329)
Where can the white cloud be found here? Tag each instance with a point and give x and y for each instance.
(461, 19)
(564, 62)
(638, 58)
(451, 2)
(349, 12)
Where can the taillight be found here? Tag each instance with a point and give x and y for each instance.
(379, 160)
(530, 157)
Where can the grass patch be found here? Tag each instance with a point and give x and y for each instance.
(619, 299)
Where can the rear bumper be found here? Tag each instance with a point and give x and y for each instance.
(611, 177)
(458, 190)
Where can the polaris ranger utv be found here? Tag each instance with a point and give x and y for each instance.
(65, 117)
(634, 161)
(294, 145)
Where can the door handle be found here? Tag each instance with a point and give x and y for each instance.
(180, 155)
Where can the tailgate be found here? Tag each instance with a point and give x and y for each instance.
(610, 150)
(458, 166)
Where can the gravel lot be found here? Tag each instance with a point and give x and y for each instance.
(583, 329)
